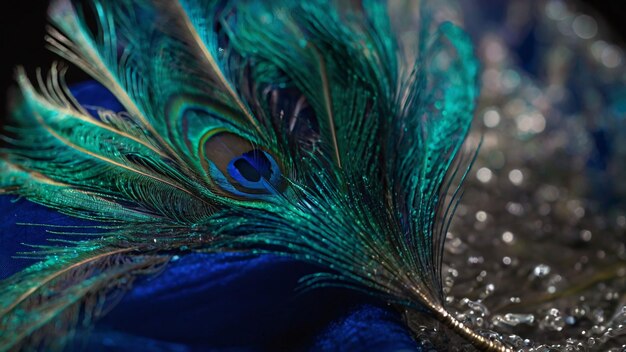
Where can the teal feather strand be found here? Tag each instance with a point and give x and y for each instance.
(95, 273)
(308, 129)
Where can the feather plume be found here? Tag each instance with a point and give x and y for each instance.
(307, 129)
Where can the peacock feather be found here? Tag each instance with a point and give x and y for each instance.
(313, 129)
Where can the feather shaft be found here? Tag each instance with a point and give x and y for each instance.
(215, 68)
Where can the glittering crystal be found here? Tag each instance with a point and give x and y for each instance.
(511, 319)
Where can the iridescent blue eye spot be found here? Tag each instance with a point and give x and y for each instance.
(252, 173)
(251, 167)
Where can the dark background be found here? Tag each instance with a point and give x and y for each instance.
(23, 29)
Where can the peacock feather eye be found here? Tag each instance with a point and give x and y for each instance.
(239, 168)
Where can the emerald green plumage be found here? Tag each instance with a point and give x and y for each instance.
(308, 129)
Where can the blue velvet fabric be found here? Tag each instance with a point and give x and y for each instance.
(237, 302)
(215, 302)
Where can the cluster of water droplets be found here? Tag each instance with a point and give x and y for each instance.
(536, 256)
